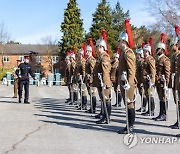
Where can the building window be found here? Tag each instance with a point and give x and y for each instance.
(55, 59)
(5, 58)
(38, 59)
(21, 58)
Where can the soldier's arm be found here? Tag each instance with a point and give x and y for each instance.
(83, 68)
(131, 64)
(152, 65)
(172, 64)
(106, 67)
(167, 69)
(92, 64)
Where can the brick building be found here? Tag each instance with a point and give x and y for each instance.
(43, 58)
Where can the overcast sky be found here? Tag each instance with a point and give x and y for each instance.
(28, 21)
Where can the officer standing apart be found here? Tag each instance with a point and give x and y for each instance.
(102, 70)
(162, 69)
(16, 78)
(23, 76)
(127, 63)
(148, 73)
(114, 79)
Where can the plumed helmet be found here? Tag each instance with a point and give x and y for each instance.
(72, 55)
(140, 51)
(116, 55)
(102, 43)
(147, 47)
(88, 48)
(67, 58)
(161, 45)
(81, 51)
(174, 40)
(123, 36)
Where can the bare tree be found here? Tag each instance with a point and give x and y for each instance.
(4, 38)
(50, 48)
(166, 13)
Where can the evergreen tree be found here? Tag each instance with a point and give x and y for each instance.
(72, 29)
(102, 19)
(118, 17)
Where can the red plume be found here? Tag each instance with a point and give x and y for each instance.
(68, 53)
(143, 44)
(92, 46)
(151, 44)
(84, 48)
(129, 33)
(74, 51)
(105, 39)
(163, 40)
(177, 29)
(118, 51)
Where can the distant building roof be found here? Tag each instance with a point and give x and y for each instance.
(22, 49)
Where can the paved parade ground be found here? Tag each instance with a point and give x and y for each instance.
(49, 126)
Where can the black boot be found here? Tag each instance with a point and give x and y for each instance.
(93, 110)
(144, 106)
(119, 101)
(131, 120)
(84, 102)
(19, 100)
(162, 117)
(108, 104)
(160, 111)
(98, 116)
(75, 98)
(150, 110)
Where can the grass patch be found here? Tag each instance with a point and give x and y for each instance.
(3, 73)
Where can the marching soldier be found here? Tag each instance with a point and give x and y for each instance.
(127, 80)
(139, 62)
(148, 74)
(68, 78)
(114, 79)
(80, 78)
(90, 63)
(162, 79)
(23, 77)
(73, 80)
(16, 79)
(174, 73)
(101, 80)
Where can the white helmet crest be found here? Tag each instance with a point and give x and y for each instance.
(147, 47)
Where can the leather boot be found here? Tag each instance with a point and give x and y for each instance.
(93, 106)
(100, 114)
(150, 110)
(160, 110)
(119, 101)
(162, 117)
(144, 106)
(131, 120)
(75, 98)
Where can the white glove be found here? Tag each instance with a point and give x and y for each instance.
(165, 88)
(151, 84)
(141, 85)
(126, 86)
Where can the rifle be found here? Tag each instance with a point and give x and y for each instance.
(71, 88)
(165, 94)
(103, 96)
(142, 98)
(126, 87)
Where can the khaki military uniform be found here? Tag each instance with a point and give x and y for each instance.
(114, 75)
(89, 68)
(127, 63)
(139, 75)
(67, 79)
(73, 76)
(174, 70)
(162, 68)
(149, 68)
(103, 65)
(80, 71)
(177, 77)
